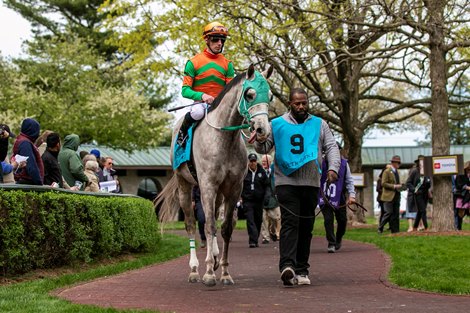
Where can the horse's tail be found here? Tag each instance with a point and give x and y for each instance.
(167, 202)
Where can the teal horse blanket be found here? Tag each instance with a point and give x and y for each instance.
(182, 154)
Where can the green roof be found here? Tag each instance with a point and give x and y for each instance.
(159, 158)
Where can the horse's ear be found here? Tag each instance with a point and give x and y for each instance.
(250, 74)
(267, 73)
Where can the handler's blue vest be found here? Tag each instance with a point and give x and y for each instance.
(296, 144)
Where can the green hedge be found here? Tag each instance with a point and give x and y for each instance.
(50, 229)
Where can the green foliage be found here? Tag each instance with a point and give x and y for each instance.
(50, 229)
(34, 295)
(64, 83)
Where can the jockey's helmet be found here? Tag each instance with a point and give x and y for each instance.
(215, 29)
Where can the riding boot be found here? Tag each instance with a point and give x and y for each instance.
(183, 132)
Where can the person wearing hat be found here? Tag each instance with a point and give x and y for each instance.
(418, 187)
(254, 188)
(391, 189)
(205, 75)
(33, 172)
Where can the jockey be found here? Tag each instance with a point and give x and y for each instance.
(205, 75)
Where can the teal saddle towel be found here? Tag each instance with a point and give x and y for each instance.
(183, 154)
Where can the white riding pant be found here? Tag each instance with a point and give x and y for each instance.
(198, 110)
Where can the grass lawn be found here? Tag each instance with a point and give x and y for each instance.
(432, 263)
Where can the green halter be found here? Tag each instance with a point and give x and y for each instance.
(261, 86)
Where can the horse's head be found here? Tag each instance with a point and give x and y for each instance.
(255, 102)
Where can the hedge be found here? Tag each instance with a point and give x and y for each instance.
(51, 229)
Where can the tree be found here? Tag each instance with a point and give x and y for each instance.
(53, 19)
(64, 86)
(440, 32)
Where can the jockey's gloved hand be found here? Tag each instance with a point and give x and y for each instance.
(207, 98)
(332, 176)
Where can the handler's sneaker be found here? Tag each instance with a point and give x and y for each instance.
(288, 276)
(331, 249)
(302, 280)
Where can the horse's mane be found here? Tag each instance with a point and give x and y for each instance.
(226, 89)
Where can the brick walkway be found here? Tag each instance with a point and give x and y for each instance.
(351, 280)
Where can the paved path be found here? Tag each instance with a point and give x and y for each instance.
(351, 280)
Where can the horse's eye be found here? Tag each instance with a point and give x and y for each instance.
(271, 96)
(250, 94)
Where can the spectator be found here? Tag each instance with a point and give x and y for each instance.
(418, 195)
(109, 174)
(89, 157)
(96, 153)
(271, 226)
(82, 154)
(91, 169)
(6, 168)
(252, 198)
(462, 204)
(339, 194)
(200, 216)
(70, 163)
(33, 172)
(379, 189)
(52, 172)
(40, 143)
(391, 189)
(299, 139)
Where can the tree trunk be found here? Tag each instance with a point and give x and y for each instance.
(353, 149)
(442, 191)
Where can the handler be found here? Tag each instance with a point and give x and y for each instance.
(299, 139)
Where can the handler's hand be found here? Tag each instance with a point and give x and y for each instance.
(332, 176)
(351, 200)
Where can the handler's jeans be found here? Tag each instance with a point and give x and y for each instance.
(298, 205)
(254, 218)
(392, 214)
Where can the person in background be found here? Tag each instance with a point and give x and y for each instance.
(379, 189)
(418, 194)
(271, 226)
(252, 198)
(333, 200)
(33, 172)
(6, 167)
(200, 216)
(71, 164)
(391, 189)
(299, 139)
(462, 203)
(91, 168)
(108, 173)
(40, 143)
(52, 172)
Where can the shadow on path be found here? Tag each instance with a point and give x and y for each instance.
(347, 281)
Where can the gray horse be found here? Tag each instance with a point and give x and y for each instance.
(220, 158)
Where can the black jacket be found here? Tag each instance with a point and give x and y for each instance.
(52, 173)
(260, 182)
(460, 182)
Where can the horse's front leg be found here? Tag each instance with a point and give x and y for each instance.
(190, 225)
(227, 230)
(208, 203)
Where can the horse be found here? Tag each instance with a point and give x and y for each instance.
(220, 162)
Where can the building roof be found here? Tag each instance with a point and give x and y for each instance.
(159, 158)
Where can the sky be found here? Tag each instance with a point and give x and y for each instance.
(14, 30)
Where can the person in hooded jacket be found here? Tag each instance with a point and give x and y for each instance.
(33, 173)
(70, 163)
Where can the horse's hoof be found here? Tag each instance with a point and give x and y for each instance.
(227, 281)
(193, 278)
(209, 280)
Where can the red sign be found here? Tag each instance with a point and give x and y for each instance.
(437, 166)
